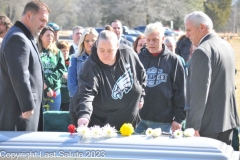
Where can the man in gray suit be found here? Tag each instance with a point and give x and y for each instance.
(21, 87)
(211, 104)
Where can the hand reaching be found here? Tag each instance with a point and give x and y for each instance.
(83, 121)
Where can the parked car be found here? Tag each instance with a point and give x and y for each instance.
(99, 29)
(140, 28)
(130, 38)
(131, 32)
(167, 32)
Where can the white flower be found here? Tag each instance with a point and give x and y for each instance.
(149, 132)
(156, 132)
(96, 131)
(189, 132)
(84, 131)
(178, 134)
(109, 131)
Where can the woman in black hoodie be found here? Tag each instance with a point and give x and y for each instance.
(111, 84)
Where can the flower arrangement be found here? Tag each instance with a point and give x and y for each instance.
(97, 132)
(101, 132)
(126, 130)
(176, 134)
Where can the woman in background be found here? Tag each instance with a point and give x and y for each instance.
(86, 42)
(171, 45)
(53, 67)
(65, 47)
(139, 43)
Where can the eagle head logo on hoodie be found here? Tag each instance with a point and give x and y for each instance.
(124, 84)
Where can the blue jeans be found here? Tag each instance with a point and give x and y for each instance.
(53, 102)
(143, 125)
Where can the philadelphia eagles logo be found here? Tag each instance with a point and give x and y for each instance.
(124, 84)
(155, 76)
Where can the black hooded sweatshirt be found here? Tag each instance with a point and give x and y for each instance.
(165, 88)
(111, 94)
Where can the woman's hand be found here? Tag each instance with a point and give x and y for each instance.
(50, 93)
(44, 86)
(83, 121)
(176, 126)
(65, 75)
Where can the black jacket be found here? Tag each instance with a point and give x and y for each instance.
(110, 94)
(165, 89)
(21, 77)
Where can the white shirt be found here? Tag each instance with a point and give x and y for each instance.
(75, 48)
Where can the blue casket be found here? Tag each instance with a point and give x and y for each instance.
(38, 145)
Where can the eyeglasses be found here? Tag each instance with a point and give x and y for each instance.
(88, 41)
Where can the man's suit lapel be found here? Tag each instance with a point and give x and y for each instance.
(207, 37)
(30, 37)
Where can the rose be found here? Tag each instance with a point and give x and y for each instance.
(54, 94)
(71, 128)
(67, 63)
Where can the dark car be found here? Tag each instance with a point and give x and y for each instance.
(140, 28)
(131, 32)
(130, 38)
(168, 32)
(99, 29)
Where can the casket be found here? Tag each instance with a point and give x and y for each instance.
(39, 145)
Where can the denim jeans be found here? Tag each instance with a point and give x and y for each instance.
(54, 102)
(145, 124)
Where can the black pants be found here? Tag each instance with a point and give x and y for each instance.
(225, 136)
(65, 106)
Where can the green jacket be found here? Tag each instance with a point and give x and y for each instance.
(53, 67)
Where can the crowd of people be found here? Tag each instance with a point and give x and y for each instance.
(102, 78)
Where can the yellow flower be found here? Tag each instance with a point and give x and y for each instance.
(126, 129)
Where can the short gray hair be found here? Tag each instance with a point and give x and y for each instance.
(199, 17)
(170, 40)
(77, 27)
(107, 35)
(152, 27)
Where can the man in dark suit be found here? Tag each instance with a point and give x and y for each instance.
(21, 87)
(76, 35)
(117, 28)
(211, 103)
